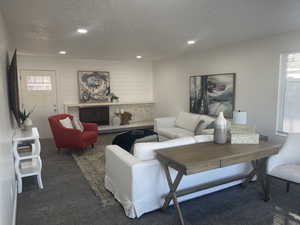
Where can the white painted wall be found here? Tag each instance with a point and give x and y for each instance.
(7, 175)
(256, 64)
(130, 80)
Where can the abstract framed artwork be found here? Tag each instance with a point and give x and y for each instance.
(94, 86)
(211, 94)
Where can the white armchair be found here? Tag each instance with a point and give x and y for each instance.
(286, 164)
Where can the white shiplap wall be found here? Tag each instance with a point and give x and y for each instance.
(130, 80)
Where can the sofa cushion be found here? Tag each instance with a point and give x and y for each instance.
(187, 121)
(146, 151)
(174, 132)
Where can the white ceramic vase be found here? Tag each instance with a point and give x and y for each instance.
(28, 122)
(220, 132)
(116, 121)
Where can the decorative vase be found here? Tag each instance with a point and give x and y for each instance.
(25, 125)
(116, 121)
(28, 122)
(220, 132)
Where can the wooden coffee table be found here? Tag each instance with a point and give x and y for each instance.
(195, 158)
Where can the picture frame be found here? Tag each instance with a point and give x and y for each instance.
(94, 86)
(213, 93)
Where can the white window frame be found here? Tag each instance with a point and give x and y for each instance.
(282, 94)
(30, 88)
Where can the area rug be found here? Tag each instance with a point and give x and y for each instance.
(92, 165)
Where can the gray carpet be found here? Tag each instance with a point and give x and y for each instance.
(92, 166)
(67, 199)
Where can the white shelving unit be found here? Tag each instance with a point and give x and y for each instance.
(31, 158)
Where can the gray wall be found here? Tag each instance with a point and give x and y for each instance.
(256, 64)
(7, 175)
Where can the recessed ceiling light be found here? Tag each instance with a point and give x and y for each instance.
(62, 52)
(191, 42)
(82, 31)
(139, 56)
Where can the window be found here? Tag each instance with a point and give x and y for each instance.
(39, 83)
(288, 118)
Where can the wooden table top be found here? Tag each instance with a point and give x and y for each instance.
(199, 157)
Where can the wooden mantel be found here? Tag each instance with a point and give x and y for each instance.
(84, 105)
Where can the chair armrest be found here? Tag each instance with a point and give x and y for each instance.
(126, 173)
(164, 122)
(118, 168)
(90, 126)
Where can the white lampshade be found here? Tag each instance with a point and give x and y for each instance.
(239, 117)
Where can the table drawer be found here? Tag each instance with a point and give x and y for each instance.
(244, 158)
(203, 167)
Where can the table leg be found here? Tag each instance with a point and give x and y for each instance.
(172, 194)
(251, 174)
(263, 177)
(267, 189)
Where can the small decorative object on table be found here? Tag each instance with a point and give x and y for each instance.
(26, 122)
(116, 120)
(239, 117)
(125, 117)
(244, 134)
(220, 132)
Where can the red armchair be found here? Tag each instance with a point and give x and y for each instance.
(72, 138)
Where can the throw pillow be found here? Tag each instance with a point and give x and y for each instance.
(66, 123)
(77, 124)
(211, 125)
(197, 129)
(208, 121)
(187, 121)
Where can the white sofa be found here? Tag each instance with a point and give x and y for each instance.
(184, 125)
(138, 182)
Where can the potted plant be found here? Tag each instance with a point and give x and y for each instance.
(25, 120)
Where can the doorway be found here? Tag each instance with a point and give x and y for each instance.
(38, 93)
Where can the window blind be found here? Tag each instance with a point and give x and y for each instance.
(289, 94)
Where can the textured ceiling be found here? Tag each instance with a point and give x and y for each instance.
(122, 29)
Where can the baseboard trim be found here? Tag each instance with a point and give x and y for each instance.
(15, 206)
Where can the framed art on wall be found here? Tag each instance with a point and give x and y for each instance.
(211, 94)
(94, 86)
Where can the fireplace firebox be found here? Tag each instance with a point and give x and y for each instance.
(99, 115)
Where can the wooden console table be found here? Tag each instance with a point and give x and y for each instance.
(195, 158)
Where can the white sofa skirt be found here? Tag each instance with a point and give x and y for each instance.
(139, 185)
